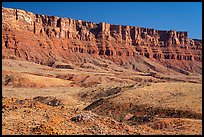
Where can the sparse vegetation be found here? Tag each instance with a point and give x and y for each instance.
(51, 101)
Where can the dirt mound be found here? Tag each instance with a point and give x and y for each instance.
(113, 101)
(17, 79)
(139, 112)
(175, 124)
(32, 117)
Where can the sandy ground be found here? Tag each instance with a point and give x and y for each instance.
(91, 99)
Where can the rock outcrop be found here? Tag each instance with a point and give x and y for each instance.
(40, 38)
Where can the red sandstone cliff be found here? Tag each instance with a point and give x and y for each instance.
(41, 38)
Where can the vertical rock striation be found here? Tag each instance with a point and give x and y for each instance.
(38, 38)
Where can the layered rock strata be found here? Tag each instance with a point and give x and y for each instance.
(41, 38)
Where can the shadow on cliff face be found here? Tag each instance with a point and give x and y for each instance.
(179, 70)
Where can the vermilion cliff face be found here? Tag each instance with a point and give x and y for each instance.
(41, 38)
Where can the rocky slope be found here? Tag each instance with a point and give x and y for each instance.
(93, 99)
(45, 39)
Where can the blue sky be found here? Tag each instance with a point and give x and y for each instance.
(179, 16)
